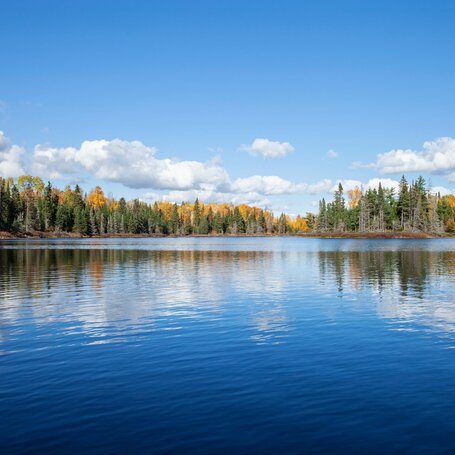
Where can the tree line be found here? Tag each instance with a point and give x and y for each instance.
(411, 208)
(29, 205)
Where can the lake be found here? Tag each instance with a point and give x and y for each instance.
(227, 345)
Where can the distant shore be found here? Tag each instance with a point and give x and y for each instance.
(320, 235)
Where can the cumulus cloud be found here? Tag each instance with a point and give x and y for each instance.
(273, 184)
(441, 190)
(268, 149)
(55, 163)
(211, 196)
(136, 165)
(11, 158)
(131, 163)
(332, 154)
(385, 183)
(349, 184)
(249, 190)
(315, 188)
(436, 156)
(270, 184)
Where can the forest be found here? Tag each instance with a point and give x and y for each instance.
(411, 208)
(28, 205)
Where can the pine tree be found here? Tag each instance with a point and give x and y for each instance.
(5, 206)
(203, 227)
(93, 228)
(196, 219)
(217, 224)
(282, 224)
(322, 222)
(81, 221)
(50, 202)
(175, 220)
(260, 225)
(403, 205)
(238, 223)
(251, 223)
(364, 214)
(381, 207)
(339, 209)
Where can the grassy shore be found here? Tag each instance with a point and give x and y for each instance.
(320, 235)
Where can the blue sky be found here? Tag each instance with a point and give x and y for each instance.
(198, 82)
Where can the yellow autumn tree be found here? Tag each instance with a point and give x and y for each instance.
(244, 210)
(299, 224)
(96, 198)
(354, 197)
(30, 185)
(113, 204)
(451, 201)
(65, 196)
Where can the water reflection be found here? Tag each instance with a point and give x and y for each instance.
(227, 345)
(111, 294)
(407, 286)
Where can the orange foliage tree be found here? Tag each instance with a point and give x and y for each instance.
(354, 197)
(96, 198)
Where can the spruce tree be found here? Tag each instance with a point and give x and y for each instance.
(403, 205)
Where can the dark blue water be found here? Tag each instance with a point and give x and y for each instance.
(227, 345)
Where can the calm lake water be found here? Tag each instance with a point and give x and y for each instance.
(227, 345)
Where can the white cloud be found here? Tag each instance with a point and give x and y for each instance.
(385, 183)
(268, 149)
(210, 196)
(436, 156)
(131, 163)
(315, 188)
(270, 184)
(332, 154)
(443, 191)
(349, 184)
(55, 163)
(11, 158)
(249, 190)
(136, 165)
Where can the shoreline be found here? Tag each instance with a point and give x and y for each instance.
(318, 235)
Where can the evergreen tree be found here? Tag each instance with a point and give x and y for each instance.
(339, 209)
(282, 224)
(403, 205)
(381, 208)
(260, 225)
(81, 220)
(251, 223)
(175, 220)
(217, 224)
(238, 223)
(196, 216)
(50, 203)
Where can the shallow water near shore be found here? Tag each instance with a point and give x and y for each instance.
(227, 345)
